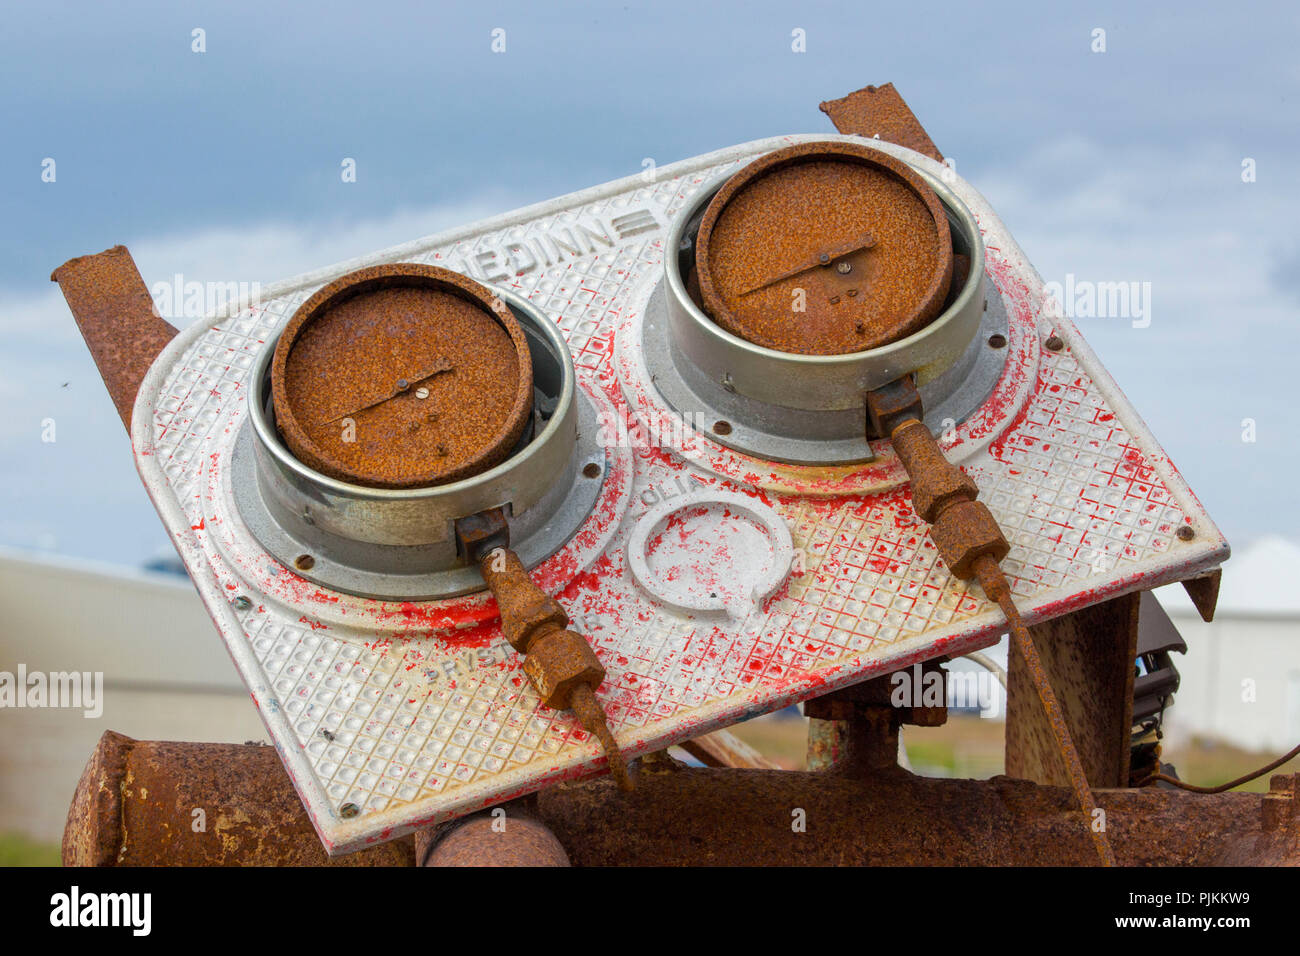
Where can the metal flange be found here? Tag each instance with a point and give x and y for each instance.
(399, 543)
(809, 409)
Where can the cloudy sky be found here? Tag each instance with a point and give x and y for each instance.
(1123, 165)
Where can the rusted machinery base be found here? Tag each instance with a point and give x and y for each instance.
(135, 806)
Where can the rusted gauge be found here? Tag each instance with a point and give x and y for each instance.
(402, 376)
(824, 249)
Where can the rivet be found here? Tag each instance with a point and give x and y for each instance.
(1185, 533)
(1055, 343)
(242, 603)
(349, 810)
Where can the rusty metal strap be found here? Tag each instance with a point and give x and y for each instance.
(115, 313)
(880, 111)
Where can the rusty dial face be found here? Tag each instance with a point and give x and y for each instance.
(402, 376)
(824, 249)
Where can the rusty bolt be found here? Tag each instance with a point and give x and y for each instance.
(965, 531)
(558, 660)
(1055, 343)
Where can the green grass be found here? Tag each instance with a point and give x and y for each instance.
(18, 850)
(967, 746)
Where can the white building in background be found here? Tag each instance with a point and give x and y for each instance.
(166, 675)
(1241, 673)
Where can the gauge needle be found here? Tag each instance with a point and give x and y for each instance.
(402, 385)
(824, 258)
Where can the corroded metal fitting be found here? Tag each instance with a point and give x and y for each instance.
(936, 482)
(965, 531)
(525, 608)
(824, 249)
(558, 661)
(402, 376)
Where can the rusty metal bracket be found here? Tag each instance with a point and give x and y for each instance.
(1088, 657)
(116, 315)
(1204, 592)
(880, 111)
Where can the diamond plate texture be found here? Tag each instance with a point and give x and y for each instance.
(393, 716)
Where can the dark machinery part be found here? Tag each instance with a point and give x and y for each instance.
(1155, 681)
(560, 664)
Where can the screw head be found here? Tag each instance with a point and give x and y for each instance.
(1055, 343)
(1185, 533)
(241, 603)
(843, 267)
(349, 810)
(422, 392)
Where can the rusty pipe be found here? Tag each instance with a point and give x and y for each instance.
(502, 836)
(134, 806)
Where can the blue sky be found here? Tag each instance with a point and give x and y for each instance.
(1118, 166)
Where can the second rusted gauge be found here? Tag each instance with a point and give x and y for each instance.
(402, 376)
(824, 249)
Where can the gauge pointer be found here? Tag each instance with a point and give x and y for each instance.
(402, 385)
(824, 258)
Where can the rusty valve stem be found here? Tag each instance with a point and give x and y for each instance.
(560, 664)
(972, 545)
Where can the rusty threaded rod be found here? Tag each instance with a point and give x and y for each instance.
(996, 587)
(972, 545)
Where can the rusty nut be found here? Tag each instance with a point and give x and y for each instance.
(558, 660)
(965, 531)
